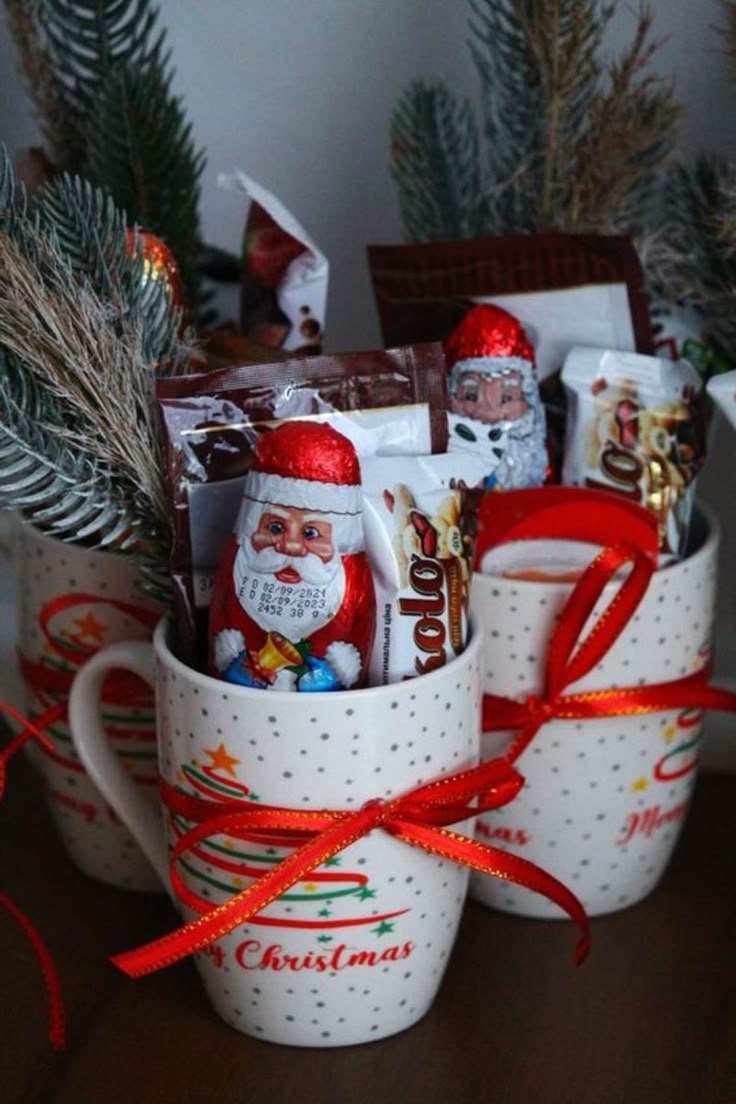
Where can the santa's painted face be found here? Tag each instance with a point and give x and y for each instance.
(489, 398)
(294, 533)
(288, 575)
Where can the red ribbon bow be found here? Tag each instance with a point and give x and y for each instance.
(418, 818)
(569, 658)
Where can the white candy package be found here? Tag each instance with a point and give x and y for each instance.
(420, 518)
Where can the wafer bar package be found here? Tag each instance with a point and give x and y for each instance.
(635, 425)
(420, 519)
(388, 402)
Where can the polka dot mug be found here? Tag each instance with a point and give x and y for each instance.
(604, 800)
(70, 602)
(356, 949)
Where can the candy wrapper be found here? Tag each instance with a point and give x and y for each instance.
(293, 606)
(635, 425)
(388, 402)
(420, 525)
(495, 407)
(285, 278)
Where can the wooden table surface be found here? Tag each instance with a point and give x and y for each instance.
(649, 1019)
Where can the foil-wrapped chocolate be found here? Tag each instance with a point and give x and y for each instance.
(495, 408)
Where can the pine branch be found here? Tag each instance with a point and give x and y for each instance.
(92, 233)
(140, 145)
(47, 94)
(692, 257)
(573, 143)
(438, 179)
(60, 331)
(630, 134)
(514, 114)
(83, 41)
(63, 492)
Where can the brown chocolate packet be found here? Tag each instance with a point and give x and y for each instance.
(423, 290)
(389, 402)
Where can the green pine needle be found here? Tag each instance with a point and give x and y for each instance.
(438, 178)
(140, 145)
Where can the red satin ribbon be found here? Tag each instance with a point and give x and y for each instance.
(123, 688)
(57, 1029)
(419, 818)
(569, 658)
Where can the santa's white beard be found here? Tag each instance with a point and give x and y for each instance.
(295, 610)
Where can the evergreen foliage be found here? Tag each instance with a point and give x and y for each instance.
(573, 142)
(691, 259)
(80, 333)
(101, 77)
(439, 179)
(86, 40)
(691, 256)
(140, 144)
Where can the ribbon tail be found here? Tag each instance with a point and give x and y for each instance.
(57, 1030)
(499, 864)
(211, 926)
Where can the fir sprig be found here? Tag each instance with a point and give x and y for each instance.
(438, 178)
(83, 41)
(691, 259)
(101, 76)
(574, 142)
(139, 138)
(79, 443)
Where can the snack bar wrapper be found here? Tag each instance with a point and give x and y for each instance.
(420, 519)
(635, 425)
(285, 277)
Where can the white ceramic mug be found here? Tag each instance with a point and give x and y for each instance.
(70, 602)
(356, 949)
(604, 799)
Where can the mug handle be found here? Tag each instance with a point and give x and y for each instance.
(138, 812)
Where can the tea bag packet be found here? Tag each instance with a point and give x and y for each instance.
(285, 275)
(635, 426)
(293, 605)
(387, 402)
(494, 401)
(420, 525)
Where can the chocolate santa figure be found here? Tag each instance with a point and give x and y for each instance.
(495, 407)
(294, 605)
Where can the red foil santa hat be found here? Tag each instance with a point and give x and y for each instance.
(308, 466)
(488, 332)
